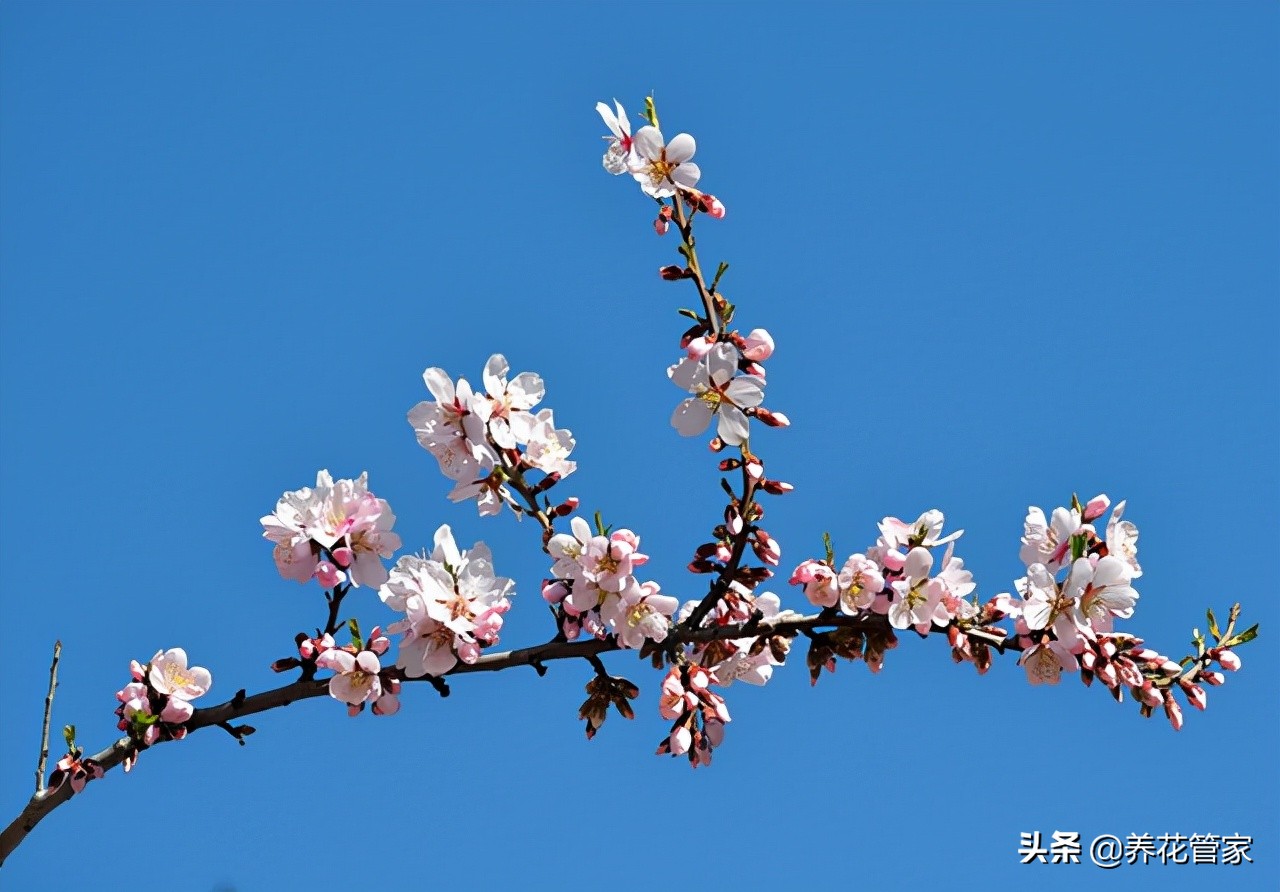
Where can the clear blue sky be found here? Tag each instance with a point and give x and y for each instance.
(1008, 251)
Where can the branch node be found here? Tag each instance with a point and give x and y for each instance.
(239, 732)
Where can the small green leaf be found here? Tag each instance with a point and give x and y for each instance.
(689, 313)
(69, 735)
(831, 552)
(651, 111)
(720, 271)
(1077, 545)
(354, 628)
(1213, 625)
(1244, 637)
(1075, 503)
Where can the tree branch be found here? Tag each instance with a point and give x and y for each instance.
(48, 713)
(44, 802)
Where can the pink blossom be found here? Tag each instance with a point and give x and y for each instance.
(1096, 507)
(452, 603)
(169, 675)
(819, 582)
(1045, 662)
(758, 345)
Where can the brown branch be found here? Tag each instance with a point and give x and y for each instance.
(43, 803)
(48, 713)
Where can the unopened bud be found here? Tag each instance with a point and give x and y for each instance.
(776, 487)
(1096, 508)
(773, 419)
(675, 273)
(567, 507)
(1195, 695)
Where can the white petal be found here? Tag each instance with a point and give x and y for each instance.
(746, 391)
(440, 385)
(687, 175)
(648, 142)
(495, 374)
(733, 427)
(681, 148)
(610, 120)
(691, 417)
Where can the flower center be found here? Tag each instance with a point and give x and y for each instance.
(660, 168)
(638, 614)
(1045, 665)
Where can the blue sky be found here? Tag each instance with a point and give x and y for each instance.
(1007, 251)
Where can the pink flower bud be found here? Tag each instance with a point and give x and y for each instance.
(767, 548)
(758, 345)
(1173, 711)
(1229, 660)
(344, 556)
(1096, 507)
(328, 575)
(680, 741)
(554, 591)
(1106, 674)
(1213, 679)
(136, 670)
(661, 225)
(1195, 695)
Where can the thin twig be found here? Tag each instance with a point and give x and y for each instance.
(48, 713)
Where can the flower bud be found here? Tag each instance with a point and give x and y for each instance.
(1096, 508)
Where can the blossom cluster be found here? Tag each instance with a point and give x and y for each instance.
(595, 588)
(359, 677)
(483, 439)
(336, 532)
(699, 713)
(156, 704)
(1077, 584)
(898, 577)
(453, 605)
(750, 658)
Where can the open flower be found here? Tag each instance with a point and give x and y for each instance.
(661, 167)
(716, 394)
(169, 675)
(1045, 662)
(620, 154)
